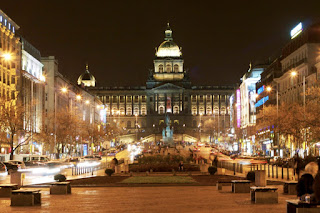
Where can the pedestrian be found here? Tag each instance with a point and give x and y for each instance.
(304, 186)
(181, 166)
(215, 161)
(315, 197)
(298, 164)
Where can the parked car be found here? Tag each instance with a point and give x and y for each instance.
(11, 167)
(20, 164)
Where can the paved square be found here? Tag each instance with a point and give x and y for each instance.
(150, 199)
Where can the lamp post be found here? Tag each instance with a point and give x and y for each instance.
(200, 127)
(136, 115)
(294, 74)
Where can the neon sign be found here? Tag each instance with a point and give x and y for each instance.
(261, 101)
(296, 30)
(260, 90)
(238, 109)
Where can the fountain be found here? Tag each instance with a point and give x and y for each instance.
(167, 133)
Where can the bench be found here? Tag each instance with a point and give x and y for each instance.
(60, 188)
(290, 187)
(264, 194)
(241, 186)
(221, 183)
(25, 197)
(6, 189)
(298, 206)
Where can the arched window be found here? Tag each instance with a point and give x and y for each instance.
(175, 110)
(194, 110)
(129, 111)
(201, 111)
(161, 68)
(161, 110)
(168, 68)
(136, 111)
(128, 124)
(176, 68)
(143, 111)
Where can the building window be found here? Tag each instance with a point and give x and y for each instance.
(161, 110)
(194, 110)
(161, 68)
(143, 98)
(151, 99)
(168, 68)
(176, 68)
(128, 124)
(129, 99)
(201, 98)
(194, 98)
(201, 111)
(121, 99)
(143, 111)
(136, 99)
(114, 99)
(13, 79)
(175, 110)
(129, 111)
(107, 99)
(136, 111)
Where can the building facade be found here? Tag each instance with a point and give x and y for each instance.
(168, 91)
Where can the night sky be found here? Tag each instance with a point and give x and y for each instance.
(118, 38)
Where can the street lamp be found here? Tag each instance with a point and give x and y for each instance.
(294, 74)
(6, 56)
(200, 127)
(136, 115)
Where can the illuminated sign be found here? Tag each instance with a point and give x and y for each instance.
(260, 90)
(296, 31)
(238, 109)
(261, 101)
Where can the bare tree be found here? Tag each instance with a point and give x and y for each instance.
(15, 124)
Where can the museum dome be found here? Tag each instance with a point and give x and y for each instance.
(168, 48)
(86, 78)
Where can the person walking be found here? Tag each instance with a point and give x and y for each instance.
(181, 166)
(215, 161)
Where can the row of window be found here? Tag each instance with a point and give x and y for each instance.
(5, 78)
(208, 98)
(9, 95)
(115, 111)
(7, 24)
(121, 99)
(208, 111)
(168, 68)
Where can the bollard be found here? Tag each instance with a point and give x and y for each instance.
(257, 166)
(272, 171)
(241, 168)
(268, 170)
(288, 172)
(234, 169)
(276, 171)
(282, 171)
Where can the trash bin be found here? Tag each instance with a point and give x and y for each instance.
(16, 178)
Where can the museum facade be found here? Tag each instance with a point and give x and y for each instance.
(200, 111)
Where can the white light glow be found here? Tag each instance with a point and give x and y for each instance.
(296, 30)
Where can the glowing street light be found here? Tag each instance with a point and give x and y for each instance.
(87, 102)
(293, 73)
(78, 97)
(7, 56)
(64, 89)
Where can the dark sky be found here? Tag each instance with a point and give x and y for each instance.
(118, 38)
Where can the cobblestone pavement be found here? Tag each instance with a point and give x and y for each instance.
(149, 199)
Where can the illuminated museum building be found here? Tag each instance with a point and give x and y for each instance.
(168, 91)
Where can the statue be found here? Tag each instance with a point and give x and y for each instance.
(167, 133)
